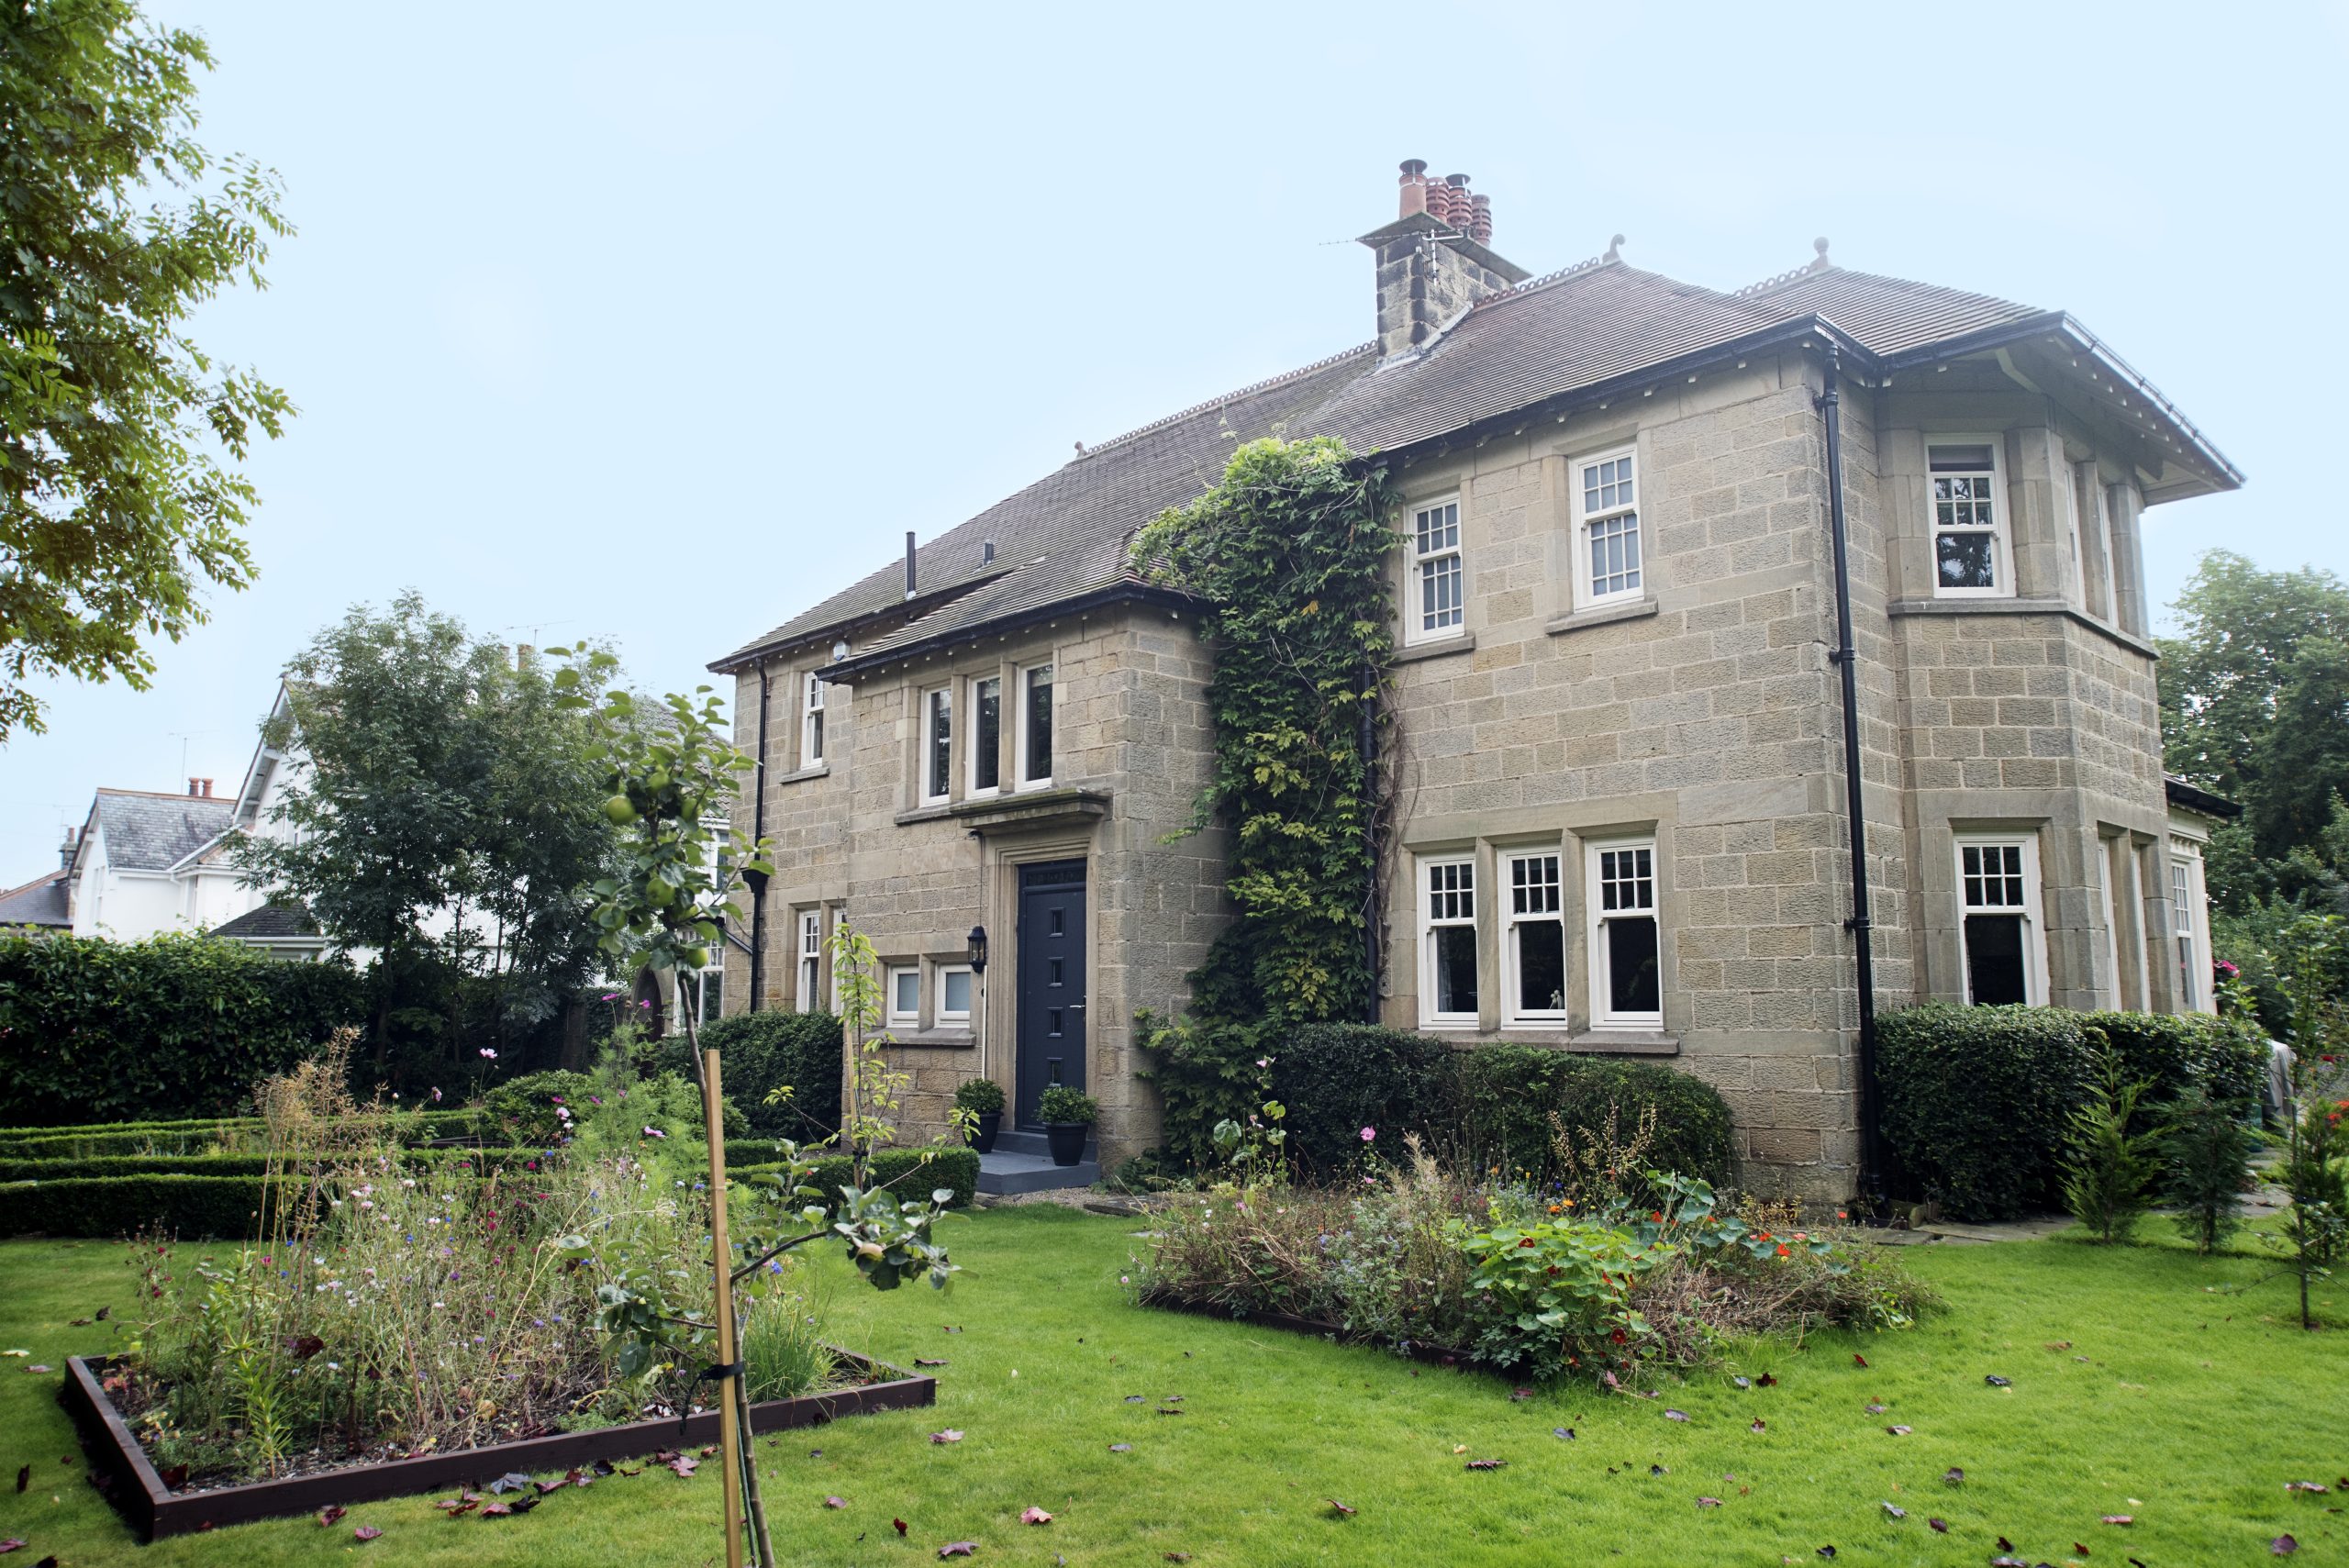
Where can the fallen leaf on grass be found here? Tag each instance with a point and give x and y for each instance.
(2078, 1549)
(1995, 1381)
(15, 1353)
(1939, 1527)
(1765, 1381)
(925, 1360)
(710, 1451)
(103, 1313)
(954, 1328)
(2116, 1519)
(685, 1464)
(1179, 1556)
(515, 1481)
(1342, 1511)
(835, 1502)
(1520, 1395)
(1121, 1447)
(1893, 1513)
(1758, 1425)
(1953, 1475)
(2059, 1344)
(1859, 1360)
(365, 1532)
(2304, 1486)
(1487, 1463)
(1564, 1434)
(1876, 1408)
(2005, 1560)
(1034, 1516)
(11, 1544)
(900, 1524)
(2004, 1545)
(24, 1476)
(948, 1436)
(1709, 1502)
(2283, 1546)
(1137, 1398)
(452, 1507)
(1675, 1415)
(1165, 1410)
(1659, 1469)
(1897, 1432)
(555, 1486)
(328, 1515)
(79, 1323)
(602, 1467)
(1827, 1551)
(1740, 1383)
(40, 1369)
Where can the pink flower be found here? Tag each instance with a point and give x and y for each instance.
(435, 1096)
(654, 1132)
(487, 1054)
(1369, 1133)
(1263, 1062)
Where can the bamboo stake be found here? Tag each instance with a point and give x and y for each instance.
(730, 1434)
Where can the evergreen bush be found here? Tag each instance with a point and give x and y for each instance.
(175, 1026)
(1978, 1101)
(761, 1053)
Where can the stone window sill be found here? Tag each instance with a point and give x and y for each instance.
(1993, 606)
(1595, 1042)
(1604, 615)
(799, 775)
(1464, 643)
(934, 1040)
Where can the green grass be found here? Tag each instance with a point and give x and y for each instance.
(2197, 1406)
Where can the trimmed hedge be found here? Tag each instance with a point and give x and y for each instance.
(190, 1139)
(954, 1168)
(90, 1028)
(1977, 1101)
(16, 1169)
(229, 1207)
(762, 1051)
(1480, 1107)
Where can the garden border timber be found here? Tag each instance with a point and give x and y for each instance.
(137, 1492)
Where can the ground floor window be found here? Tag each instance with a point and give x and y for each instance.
(1536, 950)
(811, 959)
(1999, 911)
(2185, 924)
(953, 1003)
(905, 997)
(1448, 943)
(1626, 973)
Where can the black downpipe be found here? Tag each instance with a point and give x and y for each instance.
(1371, 914)
(1846, 661)
(759, 830)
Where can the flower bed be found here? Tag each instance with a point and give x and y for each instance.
(157, 1509)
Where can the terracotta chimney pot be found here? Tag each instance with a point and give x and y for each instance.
(1414, 185)
(1480, 220)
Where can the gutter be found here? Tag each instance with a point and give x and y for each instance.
(1125, 590)
(757, 880)
(1845, 658)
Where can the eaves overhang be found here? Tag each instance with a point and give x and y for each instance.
(1123, 591)
(919, 605)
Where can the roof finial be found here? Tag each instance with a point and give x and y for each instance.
(1614, 249)
(1819, 263)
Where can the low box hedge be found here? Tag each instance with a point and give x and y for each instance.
(1977, 1101)
(194, 1137)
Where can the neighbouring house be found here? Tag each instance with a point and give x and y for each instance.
(1619, 755)
(149, 862)
(40, 905)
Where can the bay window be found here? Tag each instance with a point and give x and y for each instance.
(2001, 930)
(1970, 546)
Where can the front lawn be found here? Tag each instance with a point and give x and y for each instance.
(2188, 1413)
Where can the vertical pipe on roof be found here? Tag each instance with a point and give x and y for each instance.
(910, 563)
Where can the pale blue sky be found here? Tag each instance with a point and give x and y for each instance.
(605, 323)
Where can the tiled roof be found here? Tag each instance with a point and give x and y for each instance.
(155, 832)
(1064, 537)
(40, 902)
(270, 920)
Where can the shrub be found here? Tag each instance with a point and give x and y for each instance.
(2208, 1155)
(1978, 1101)
(215, 1135)
(193, 1206)
(2107, 1168)
(761, 1053)
(1484, 1106)
(979, 1096)
(1507, 1105)
(1064, 1105)
(1336, 1079)
(528, 1108)
(956, 1169)
(2172, 1053)
(174, 1025)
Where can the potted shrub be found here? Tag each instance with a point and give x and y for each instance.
(1067, 1113)
(983, 1097)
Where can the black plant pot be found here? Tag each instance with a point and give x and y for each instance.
(990, 1123)
(1067, 1139)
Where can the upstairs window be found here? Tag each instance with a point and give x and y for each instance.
(811, 720)
(1998, 912)
(1439, 580)
(937, 744)
(1536, 949)
(1035, 741)
(1626, 978)
(1448, 943)
(1607, 530)
(1970, 555)
(986, 734)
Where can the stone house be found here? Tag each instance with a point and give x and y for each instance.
(1619, 755)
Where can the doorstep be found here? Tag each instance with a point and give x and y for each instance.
(1011, 1171)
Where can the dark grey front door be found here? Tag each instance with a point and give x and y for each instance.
(1051, 981)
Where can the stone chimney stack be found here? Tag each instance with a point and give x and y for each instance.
(1434, 260)
(65, 850)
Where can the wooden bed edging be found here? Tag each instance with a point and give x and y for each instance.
(155, 1511)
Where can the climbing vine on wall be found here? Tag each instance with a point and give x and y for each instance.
(1290, 552)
